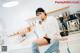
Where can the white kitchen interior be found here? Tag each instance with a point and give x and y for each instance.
(15, 18)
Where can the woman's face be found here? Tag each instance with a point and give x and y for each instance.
(41, 15)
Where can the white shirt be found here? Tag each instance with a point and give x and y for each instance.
(48, 26)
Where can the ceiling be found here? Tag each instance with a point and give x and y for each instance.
(26, 8)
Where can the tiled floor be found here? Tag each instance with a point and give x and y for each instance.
(73, 44)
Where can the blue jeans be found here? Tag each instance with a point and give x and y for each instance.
(35, 48)
(53, 48)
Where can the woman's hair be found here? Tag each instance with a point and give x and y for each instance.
(40, 10)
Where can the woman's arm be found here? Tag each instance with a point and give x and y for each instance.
(24, 31)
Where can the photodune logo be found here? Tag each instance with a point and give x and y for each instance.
(66, 1)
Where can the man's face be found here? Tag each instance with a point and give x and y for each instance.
(41, 15)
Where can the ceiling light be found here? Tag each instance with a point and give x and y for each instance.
(10, 4)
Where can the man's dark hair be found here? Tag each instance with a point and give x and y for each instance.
(40, 10)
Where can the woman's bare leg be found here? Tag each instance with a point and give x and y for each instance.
(41, 41)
